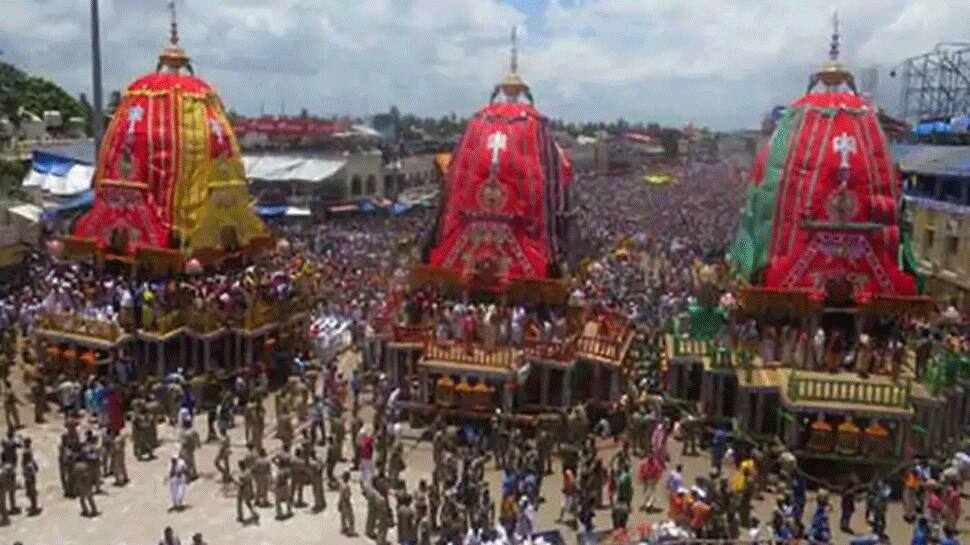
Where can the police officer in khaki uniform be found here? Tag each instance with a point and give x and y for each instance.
(284, 431)
(356, 425)
(373, 506)
(300, 478)
(222, 462)
(249, 422)
(262, 474)
(84, 481)
(38, 396)
(315, 471)
(119, 469)
(282, 493)
(407, 530)
(384, 520)
(396, 465)
(245, 494)
(8, 488)
(6, 483)
(10, 404)
(29, 468)
(338, 430)
(345, 507)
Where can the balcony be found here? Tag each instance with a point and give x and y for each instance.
(605, 348)
(503, 358)
(74, 324)
(410, 334)
(855, 392)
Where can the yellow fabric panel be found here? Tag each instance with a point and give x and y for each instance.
(227, 206)
(192, 182)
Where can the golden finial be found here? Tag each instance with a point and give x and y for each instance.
(173, 56)
(513, 85)
(832, 73)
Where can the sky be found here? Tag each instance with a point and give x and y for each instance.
(717, 63)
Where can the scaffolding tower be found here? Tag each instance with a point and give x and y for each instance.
(937, 84)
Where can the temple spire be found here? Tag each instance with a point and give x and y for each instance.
(834, 44)
(514, 64)
(173, 57)
(832, 73)
(174, 38)
(513, 85)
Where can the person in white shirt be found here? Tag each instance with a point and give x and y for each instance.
(177, 479)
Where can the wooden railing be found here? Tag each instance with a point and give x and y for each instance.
(849, 391)
(206, 321)
(76, 324)
(564, 351)
(691, 347)
(610, 348)
(259, 315)
(411, 333)
(474, 354)
(167, 322)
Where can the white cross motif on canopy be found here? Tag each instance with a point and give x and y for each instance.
(496, 143)
(845, 145)
(135, 115)
(216, 129)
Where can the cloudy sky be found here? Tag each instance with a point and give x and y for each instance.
(720, 63)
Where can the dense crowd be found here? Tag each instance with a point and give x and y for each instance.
(644, 253)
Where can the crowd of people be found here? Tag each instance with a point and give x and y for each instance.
(642, 254)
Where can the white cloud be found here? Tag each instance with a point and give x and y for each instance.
(722, 63)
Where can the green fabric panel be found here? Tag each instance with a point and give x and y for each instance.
(908, 258)
(705, 323)
(749, 251)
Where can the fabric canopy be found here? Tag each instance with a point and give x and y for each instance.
(282, 168)
(58, 175)
(282, 210)
(934, 160)
(82, 200)
(30, 212)
(270, 211)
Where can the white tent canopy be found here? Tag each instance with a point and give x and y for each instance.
(65, 177)
(287, 168)
(76, 180)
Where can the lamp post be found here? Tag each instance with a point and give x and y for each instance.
(97, 121)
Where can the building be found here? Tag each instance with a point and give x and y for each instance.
(586, 153)
(937, 208)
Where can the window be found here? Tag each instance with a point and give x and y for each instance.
(950, 260)
(952, 245)
(928, 239)
(371, 184)
(355, 186)
(388, 185)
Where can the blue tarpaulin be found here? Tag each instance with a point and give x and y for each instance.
(83, 200)
(366, 206)
(271, 211)
(399, 208)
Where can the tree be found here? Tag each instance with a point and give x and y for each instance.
(11, 109)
